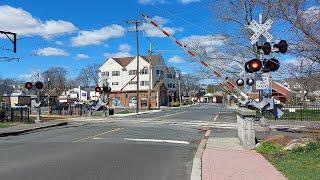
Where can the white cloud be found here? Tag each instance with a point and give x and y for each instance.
(117, 55)
(188, 1)
(60, 43)
(24, 24)
(50, 51)
(151, 31)
(206, 40)
(82, 56)
(124, 47)
(96, 37)
(175, 59)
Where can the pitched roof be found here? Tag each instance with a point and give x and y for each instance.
(124, 61)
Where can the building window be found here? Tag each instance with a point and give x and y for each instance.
(158, 72)
(144, 83)
(144, 102)
(132, 101)
(103, 74)
(144, 71)
(161, 72)
(170, 85)
(169, 76)
(133, 82)
(115, 73)
(115, 83)
(132, 72)
(116, 101)
(173, 85)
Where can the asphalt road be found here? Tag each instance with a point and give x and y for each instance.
(150, 146)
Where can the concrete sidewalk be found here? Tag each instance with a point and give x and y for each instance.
(224, 158)
(24, 128)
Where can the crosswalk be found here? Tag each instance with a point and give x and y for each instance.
(188, 123)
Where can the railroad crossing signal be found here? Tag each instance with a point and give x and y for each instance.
(260, 29)
(28, 85)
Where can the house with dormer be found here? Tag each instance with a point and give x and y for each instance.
(155, 75)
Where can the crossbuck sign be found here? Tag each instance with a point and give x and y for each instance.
(260, 29)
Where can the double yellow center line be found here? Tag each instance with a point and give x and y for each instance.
(100, 134)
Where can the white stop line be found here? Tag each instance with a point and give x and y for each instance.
(157, 140)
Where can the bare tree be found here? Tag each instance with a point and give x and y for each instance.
(305, 73)
(303, 16)
(94, 73)
(84, 77)
(57, 77)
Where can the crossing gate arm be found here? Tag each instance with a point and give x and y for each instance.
(188, 51)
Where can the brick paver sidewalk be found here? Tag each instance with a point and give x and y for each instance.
(224, 158)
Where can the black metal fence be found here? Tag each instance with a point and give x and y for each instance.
(298, 112)
(14, 114)
(71, 111)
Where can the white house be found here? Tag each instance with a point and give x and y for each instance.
(74, 94)
(118, 73)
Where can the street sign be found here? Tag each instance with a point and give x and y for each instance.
(260, 29)
(263, 81)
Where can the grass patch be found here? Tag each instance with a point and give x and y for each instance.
(6, 125)
(304, 115)
(299, 164)
(124, 112)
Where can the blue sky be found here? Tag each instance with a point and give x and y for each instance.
(41, 47)
(73, 33)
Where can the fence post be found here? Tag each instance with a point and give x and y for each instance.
(11, 112)
(28, 112)
(21, 114)
(300, 111)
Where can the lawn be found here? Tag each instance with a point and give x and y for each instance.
(299, 164)
(304, 115)
(6, 125)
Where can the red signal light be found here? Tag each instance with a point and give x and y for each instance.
(97, 89)
(271, 65)
(253, 65)
(28, 85)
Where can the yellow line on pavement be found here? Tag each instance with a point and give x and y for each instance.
(103, 133)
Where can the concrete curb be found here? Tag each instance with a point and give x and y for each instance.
(135, 114)
(196, 172)
(18, 132)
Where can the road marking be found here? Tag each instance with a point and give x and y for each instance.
(103, 133)
(158, 140)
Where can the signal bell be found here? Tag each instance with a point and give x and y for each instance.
(250, 82)
(253, 65)
(240, 82)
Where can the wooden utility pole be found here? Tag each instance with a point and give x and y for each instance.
(137, 23)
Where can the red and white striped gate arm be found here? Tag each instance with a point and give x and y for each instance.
(194, 55)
